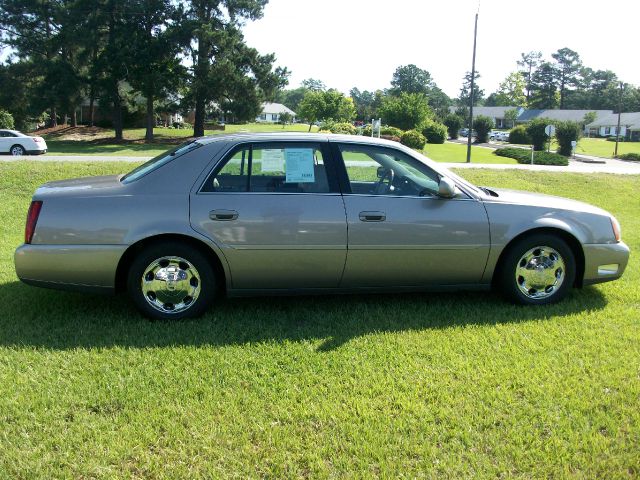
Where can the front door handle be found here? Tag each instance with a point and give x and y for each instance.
(372, 216)
(223, 215)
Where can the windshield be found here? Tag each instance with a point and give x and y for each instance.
(457, 178)
(158, 161)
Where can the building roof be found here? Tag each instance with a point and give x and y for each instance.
(268, 107)
(493, 112)
(572, 115)
(631, 119)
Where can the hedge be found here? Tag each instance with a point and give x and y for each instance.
(630, 156)
(413, 139)
(524, 156)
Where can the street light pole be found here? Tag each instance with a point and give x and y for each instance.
(473, 78)
(615, 154)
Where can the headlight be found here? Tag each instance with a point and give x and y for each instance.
(616, 229)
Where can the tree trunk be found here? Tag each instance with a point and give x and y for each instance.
(198, 122)
(53, 121)
(117, 111)
(151, 121)
(310, 125)
(74, 118)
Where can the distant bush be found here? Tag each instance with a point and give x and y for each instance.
(519, 136)
(387, 130)
(482, 125)
(393, 138)
(535, 130)
(454, 124)
(612, 138)
(343, 128)
(630, 156)
(6, 119)
(434, 132)
(413, 139)
(567, 132)
(524, 156)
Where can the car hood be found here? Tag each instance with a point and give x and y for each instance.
(551, 202)
(80, 186)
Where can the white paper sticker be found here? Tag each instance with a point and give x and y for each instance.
(299, 165)
(272, 160)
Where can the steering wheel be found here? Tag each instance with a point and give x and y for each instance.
(381, 188)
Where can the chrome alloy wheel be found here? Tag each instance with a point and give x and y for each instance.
(170, 284)
(17, 150)
(540, 272)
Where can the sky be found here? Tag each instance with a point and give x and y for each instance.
(347, 43)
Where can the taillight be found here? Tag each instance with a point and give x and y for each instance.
(38, 140)
(32, 219)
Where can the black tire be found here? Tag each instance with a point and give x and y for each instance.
(17, 150)
(513, 286)
(197, 266)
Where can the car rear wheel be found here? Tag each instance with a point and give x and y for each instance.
(17, 150)
(170, 281)
(537, 270)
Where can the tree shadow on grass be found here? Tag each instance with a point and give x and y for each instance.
(34, 317)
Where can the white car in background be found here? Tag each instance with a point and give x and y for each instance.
(502, 136)
(17, 143)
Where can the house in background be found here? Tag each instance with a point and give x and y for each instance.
(561, 115)
(271, 112)
(498, 114)
(607, 126)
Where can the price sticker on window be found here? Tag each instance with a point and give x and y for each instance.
(299, 163)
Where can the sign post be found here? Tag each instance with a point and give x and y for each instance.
(573, 148)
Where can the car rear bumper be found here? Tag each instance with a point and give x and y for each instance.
(36, 152)
(69, 267)
(604, 262)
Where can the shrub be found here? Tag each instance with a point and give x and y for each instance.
(366, 131)
(6, 119)
(388, 130)
(454, 124)
(612, 138)
(434, 132)
(519, 136)
(567, 132)
(406, 111)
(393, 138)
(635, 157)
(523, 155)
(482, 125)
(413, 139)
(344, 128)
(535, 130)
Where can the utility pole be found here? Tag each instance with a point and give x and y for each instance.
(473, 79)
(615, 154)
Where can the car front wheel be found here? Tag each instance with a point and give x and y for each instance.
(538, 270)
(171, 281)
(17, 150)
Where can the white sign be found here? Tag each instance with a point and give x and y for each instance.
(573, 144)
(550, 130)
(299, 165)
(272, 160)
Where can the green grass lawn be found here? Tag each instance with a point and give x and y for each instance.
(599, 147)
(457, 153)
(389, 386)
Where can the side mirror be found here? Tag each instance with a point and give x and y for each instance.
(446, 188)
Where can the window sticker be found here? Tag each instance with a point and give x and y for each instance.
(299, 165)
(272, 160)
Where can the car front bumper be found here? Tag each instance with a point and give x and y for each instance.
(604, 262)
(69, 267)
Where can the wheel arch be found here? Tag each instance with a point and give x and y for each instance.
(573, 243)
(135, 248)
(17, 145)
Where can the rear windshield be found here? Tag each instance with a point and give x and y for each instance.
(158, 161)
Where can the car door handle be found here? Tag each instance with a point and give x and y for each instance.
(372, 216)
(223, 215)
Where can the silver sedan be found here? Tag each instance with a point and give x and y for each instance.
(273, 213)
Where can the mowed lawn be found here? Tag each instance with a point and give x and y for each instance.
(457, 153)
(367, 386)
(599, 147)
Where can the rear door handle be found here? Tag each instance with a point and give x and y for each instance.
(372, 216)
(223, 215)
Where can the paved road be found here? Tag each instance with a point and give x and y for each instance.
(610, 166)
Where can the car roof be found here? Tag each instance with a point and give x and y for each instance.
(292, 136)
(15, 132)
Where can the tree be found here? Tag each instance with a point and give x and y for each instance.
(291, 98)
(511, 116)
(326, 105)
(511, 91)
(465, 91)
(529, 61)
(454, 124)
(482, 125)
(314, 85)
(567, 132)
(225, 70)
(544, 93)
(6, 119)
(411, 79)
(567, 70)
(406, 111)
(284, 118)
(364, 103)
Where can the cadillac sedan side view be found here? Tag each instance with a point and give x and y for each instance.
(248, 214)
